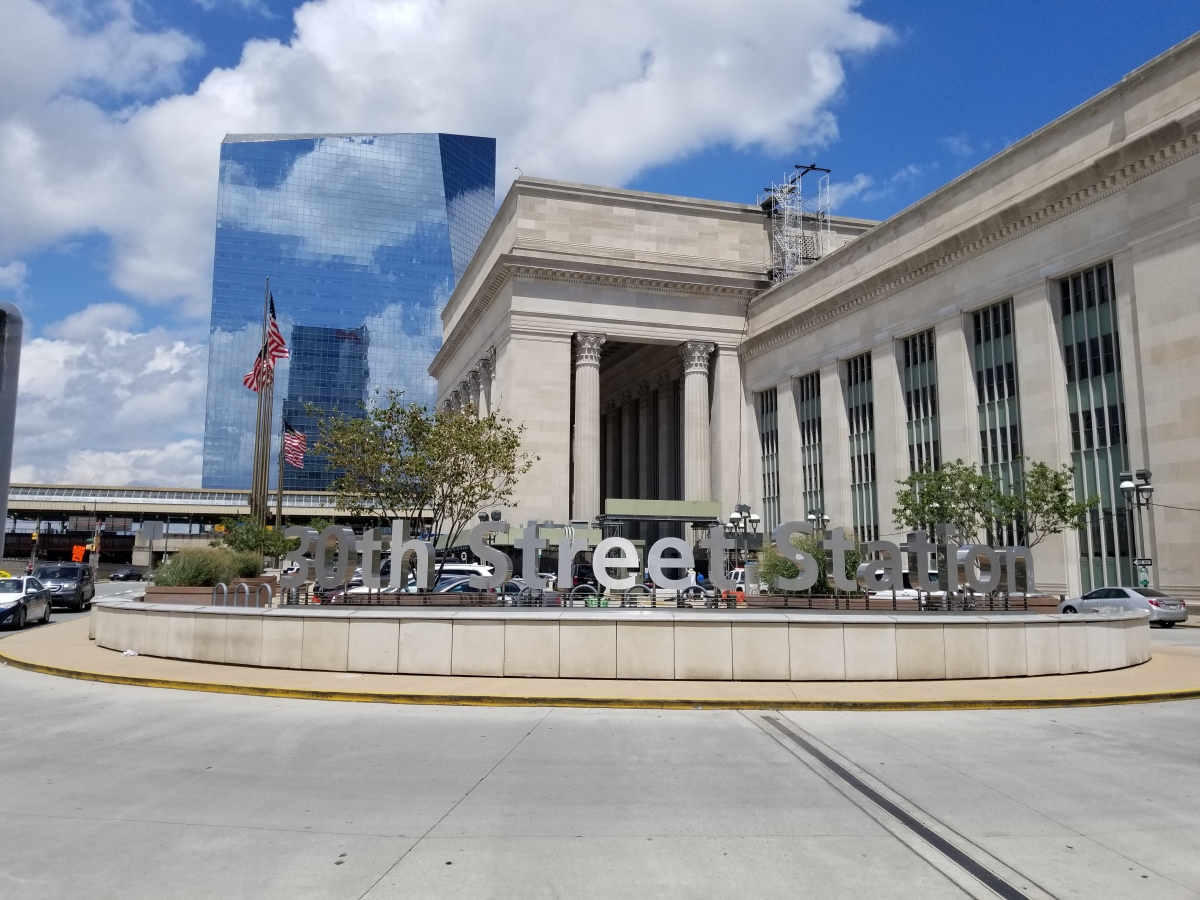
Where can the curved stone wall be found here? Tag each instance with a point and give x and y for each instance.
(639, 644)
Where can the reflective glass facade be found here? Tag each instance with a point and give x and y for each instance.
(363, 238)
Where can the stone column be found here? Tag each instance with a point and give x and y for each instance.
(612, 416)
(455, 400)
(586, 500)
(645, 442)
(665, 445)
(697, 470)
(464, 393)
(628, 446)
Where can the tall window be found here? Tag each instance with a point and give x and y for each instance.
(921, 403)
(808, 412)
(768, 433)
(999, 404)
(860, 411)
(1096, 404)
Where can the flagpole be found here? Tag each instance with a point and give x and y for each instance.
(268, 400)
(279, 486)
(257, 509)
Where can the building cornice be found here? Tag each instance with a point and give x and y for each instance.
(1105, 176)
(510, 267)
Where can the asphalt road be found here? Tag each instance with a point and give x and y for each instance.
(111, 791)
(111, 590)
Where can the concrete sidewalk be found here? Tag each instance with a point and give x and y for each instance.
(64, 649)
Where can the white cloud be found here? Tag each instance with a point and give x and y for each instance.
(958, 145)
(99, 399)
(159, 467)
(12, 277)
(841, 191)
(584, 91)
(257, 7)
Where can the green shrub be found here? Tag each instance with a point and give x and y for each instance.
(205, 568)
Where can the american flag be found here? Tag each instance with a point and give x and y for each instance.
(274, 349)
(294, 445)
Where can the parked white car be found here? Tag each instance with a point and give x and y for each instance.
(1164, 609)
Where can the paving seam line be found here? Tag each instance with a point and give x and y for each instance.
(600, 702)
(983, 871)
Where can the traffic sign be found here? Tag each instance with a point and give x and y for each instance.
(1143, 562)
(77, 553)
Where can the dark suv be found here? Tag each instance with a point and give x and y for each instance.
(70, 584)
(582, 573)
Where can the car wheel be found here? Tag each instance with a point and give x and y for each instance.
(20, 623)
(45, 619)
(1070, 610)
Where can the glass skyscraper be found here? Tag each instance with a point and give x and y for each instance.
(364, 237)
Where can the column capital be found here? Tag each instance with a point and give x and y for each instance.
(627, 398)
(455, 400)
(664, 378)
(695, 356)
(587, 348)
(643, 389)
(475, 379)
(484, 368)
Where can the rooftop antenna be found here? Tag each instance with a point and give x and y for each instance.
(800, 233)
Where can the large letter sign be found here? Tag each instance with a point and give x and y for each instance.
(494, 556)
(656, 562)
(628, 559)
(343, 566)
(781, 537)
(297, 558)
(880, 574)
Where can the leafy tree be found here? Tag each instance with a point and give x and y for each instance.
(772, 563)
(247, 536)
(957, 493)
(377, 457)
(1045, 504)
(405, 461)
(1042, 504)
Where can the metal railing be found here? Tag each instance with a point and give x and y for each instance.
(642, 596)
(239, 590)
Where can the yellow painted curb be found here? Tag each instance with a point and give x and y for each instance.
(602, 702)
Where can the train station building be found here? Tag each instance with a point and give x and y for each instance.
(1041, 307)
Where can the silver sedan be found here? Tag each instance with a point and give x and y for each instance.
(1164, 609)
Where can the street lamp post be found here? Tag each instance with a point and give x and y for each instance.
(1139, 493)
(741, 525)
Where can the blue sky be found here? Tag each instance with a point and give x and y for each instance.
(957, 82)
(106, 227)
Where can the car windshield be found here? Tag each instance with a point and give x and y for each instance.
(69, 573)
(10, 585)
(1151, 592)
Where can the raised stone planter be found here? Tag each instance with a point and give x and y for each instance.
(202, 596)
(191, 596)
(717, 645)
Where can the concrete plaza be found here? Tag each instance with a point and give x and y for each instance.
(129, 792)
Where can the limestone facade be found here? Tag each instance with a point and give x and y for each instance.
(1042, 306)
